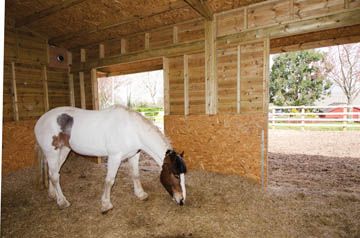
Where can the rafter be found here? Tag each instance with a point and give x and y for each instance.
(202, 7)
(46, 12)
(59, 39)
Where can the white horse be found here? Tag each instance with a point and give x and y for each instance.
(117, 133)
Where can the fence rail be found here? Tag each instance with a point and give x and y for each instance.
(315, 116)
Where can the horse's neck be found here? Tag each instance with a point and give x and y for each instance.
(154, 143)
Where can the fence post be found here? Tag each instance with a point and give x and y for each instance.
(273, 118)
(302, 118)
(344, 118)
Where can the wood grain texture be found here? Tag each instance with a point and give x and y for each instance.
(228, 144)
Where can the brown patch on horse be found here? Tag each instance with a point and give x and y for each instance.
(61, 140)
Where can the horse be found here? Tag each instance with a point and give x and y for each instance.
(118, 133)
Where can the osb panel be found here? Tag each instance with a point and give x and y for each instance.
(270, 13)
(58, 87)
(176, 85)
(228, 144)
(161, 38)
(251, 77)
(354, 3)
(196, 67)
(191, 31)
(227, 80)
(7, 94)
(29, 91)
(18, 145)
(230, 23)
(307, 8)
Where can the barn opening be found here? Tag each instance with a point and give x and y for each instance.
(312, 129)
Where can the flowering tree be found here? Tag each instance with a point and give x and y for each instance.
(342, 66)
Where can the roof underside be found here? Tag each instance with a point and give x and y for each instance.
(76, 23)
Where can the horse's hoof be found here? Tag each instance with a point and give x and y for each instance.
(143, 197)
(106, 208)
(64, 204)
(52, 195)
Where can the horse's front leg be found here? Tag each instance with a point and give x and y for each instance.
(113, 164)
(134, 170)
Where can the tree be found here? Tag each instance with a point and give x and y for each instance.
(151, 87)
(296, 79)
(342, 66)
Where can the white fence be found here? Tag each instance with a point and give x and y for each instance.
(315, 116)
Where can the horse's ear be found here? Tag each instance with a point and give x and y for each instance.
(182, 154)
(168, 152)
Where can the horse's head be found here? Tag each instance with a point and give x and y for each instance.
(173, 176)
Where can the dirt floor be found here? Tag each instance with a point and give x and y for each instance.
(311, 193)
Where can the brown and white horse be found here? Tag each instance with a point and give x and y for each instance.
(117, 133)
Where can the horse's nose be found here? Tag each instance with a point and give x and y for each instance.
(181, 203)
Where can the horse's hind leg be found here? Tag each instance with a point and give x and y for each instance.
(64, 152)
(134, 170)
(55, 160)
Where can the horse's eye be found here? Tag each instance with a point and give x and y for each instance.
(177, 176)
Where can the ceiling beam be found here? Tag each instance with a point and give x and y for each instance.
(202, 7)
(46, 12)
(59, 39)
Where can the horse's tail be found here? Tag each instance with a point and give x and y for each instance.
(42, 175)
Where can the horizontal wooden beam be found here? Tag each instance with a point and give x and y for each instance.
(191, 47)
(202, 7)
(336, 20)
(59, 39)
(46, 12)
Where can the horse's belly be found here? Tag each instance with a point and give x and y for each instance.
(91, 144)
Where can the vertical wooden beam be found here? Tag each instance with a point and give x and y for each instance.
(186, 84)
(14, 93)
(45, 88)
(147, 40)
(238, 79)
(175, 34)
(210, 68)
(82, 90)
(71, 90)
(346, 4)
(166, 86)
(94, 90)
(245, 18)
(266, 76)
(69, 57)
(101, 51)
(82, 55)
(123, 49)
(47, 52)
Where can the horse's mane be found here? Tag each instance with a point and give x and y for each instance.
(148, 124)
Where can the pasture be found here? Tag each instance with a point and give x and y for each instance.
(314, 190)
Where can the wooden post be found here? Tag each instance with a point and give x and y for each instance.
(14, 93)
(302, 118)
(123, 45)
(273, 118)
(94, 90)
(245, 18)
(45, 87)
(346, 4)
(69, 57)
(101, 51)
(186, 84)
(345, 119)
(210, 67)
(82, 90)
(175, 35)
(147, 40)
(71, 90)
(82, 55)
(238, 79)
(166, 86)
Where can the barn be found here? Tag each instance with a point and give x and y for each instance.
(215, 57)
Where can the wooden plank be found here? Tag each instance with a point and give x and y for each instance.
(69, 57)
(14, 93)
(166, 86)
(94, 91)
(82, 55)
(46, 89)
(175, 35)
(147, 40)
(124, 46)
(46, 12)
(71, 90)
(266, 79)
(82, 90)
(238, 79)
(201, 7)
(186, 84)
(210, 65)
